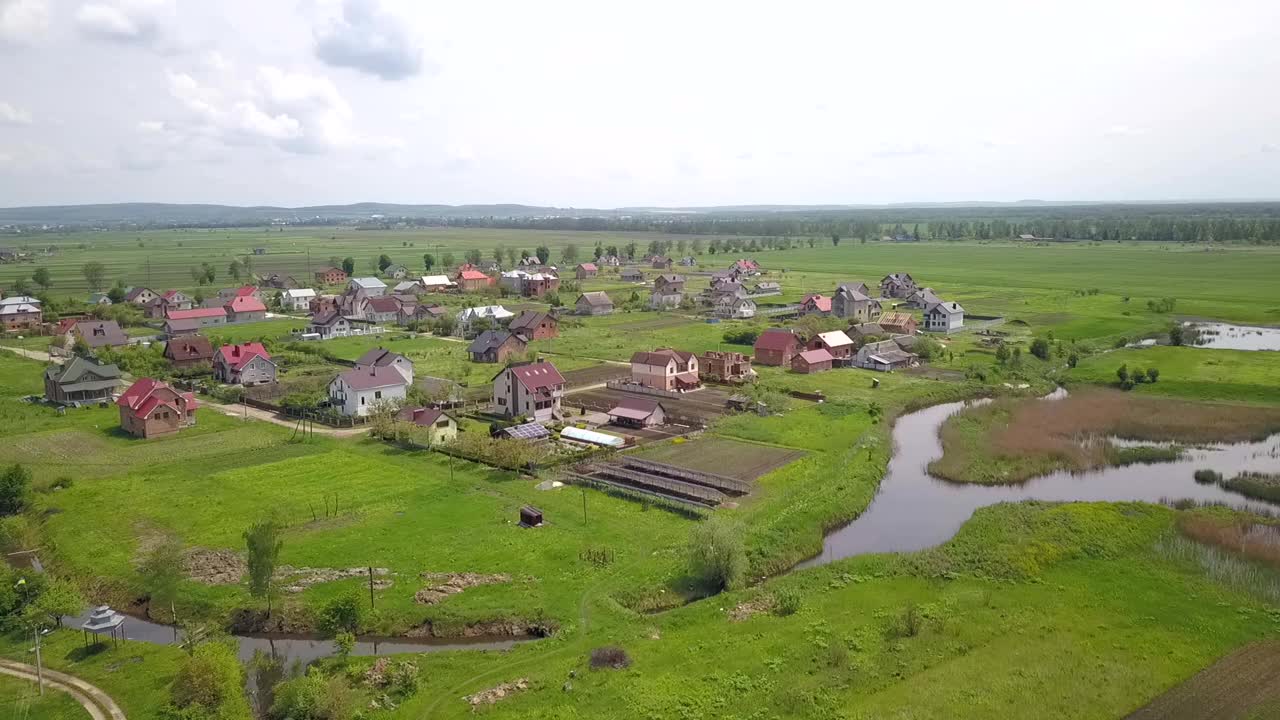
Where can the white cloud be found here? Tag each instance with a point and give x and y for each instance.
(1124, 131)
(22, 21)
(10, 115)
(1270, 147)
(371, 37)
(128, 22)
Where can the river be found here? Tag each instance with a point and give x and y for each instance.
(1224, 336)
(913, 510)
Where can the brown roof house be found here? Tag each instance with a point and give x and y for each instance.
(82, 380)
(440, 426)
(812, 361)
(380, 357)
(188, 351)
(357, 392)
(101, 333)
(593, 303)
(666, 369)
(776, 347)
(533, 325)
(496, 346)
(533, 390)
(150, 408)
(638, 412)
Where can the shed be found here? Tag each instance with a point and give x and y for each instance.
(530, 516)
(812, 361)
(638, 412)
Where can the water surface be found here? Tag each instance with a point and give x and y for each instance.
(1224, 336)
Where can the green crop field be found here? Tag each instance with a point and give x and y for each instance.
(1079, 606)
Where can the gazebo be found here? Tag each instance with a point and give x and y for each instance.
(103, 619)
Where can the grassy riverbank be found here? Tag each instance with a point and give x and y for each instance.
(1012, 440)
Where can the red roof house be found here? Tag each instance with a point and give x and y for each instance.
(816, 305)
(150, 408)
(777, 346)
(812, 361)
(472, 280)
(247, 364)
(245, 308)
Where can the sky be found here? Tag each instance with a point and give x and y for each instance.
(599, 104)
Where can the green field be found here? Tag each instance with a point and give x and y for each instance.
(1075, 605)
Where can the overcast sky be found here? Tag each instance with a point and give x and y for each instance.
(604, 104)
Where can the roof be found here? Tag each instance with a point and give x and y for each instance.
(326, 318)
(237, 356)
(528, 320)
(865, 329)
(135, 292)
(368, 283)
(78, 367)
(422, 416)
(246, 303)
(384, 304)
(821, 302)
(595, 298)
(776, 339)
(372, 377)
(433, 280)
(835, 338)
(170, 294)
(661, 356)
(492, 340)
(593, 437)
(18, 309)
(101, 333)
(189, 347)
(380, 357)
(536, 375)
(669, 277)
(897, 277)
(472, 275)
(195, 313)
(895, 318)
(589, 267)
(946, 308)
(19, 300)
(327, 270)
(176, 326)
(769, 285)
(852, 292)
(141, 398)
(246, 290)
(633, 408)
(891, 356)
(811, 357)
(497, 312)
(631, 271)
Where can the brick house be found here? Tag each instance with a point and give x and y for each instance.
(812, 361)
(838, 344)
(899, 322)
(472, 280)
(816, 305)
(189, 351)
(150, 408)
(20, 312)
(666, 369)
(205, 317)
(331, 276)
(586, 271)
(776, 347)
(533, 325)
(725, 366)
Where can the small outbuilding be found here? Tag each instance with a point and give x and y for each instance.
(638, 413)
(530, 516)
(812, 361)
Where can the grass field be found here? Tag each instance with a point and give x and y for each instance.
(21, 701)
(1192, 373)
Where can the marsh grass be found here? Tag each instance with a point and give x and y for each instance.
(1223, 566)
(1260, 486)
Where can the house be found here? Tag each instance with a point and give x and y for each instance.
(734, 308)
(661, 262)
(593, 303)
(380, 357)
(360, 391)
(408, 287)
(533, 390)
(226, 295)
(688, 261)
(297, 300)
(331, 276)
(139, 295)
(815, 305)
(637, 412)
(862, 332)
(897, 285)
(530, 263)
(839, 345)
(586, 271)
(329, 324)
(666, 369)
(884, 356)
(720, 277)
(81, 380)
(472, 280)
(438, 283)
(631, 275)
(99, 299)
(609, 261)
(776, 347)
(396, 272)
(533, 325)
(169, 300)
(669, 282)
(20, 312)
(746, 267)
(204, 317)
(372, 286)
(539, 284)
(100, 333)
(247, 364)
(856, 286)
(899, 323)
(472, 320)
(322, 304)
(943, 317)
(246, 308)
(67, 324)
(385, 309)
(259, 251)
(429, 312)
(496, 346)
(189, 351)
(812, 361)
(150, 408)
(726, 366)
(179, 328)
(923, 298)
(665, 299)
(441, 426)
(768, 288)
(851, 304)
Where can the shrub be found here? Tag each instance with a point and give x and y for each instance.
(15, 483)
(210, 683)
(1208, 477)
(1040, 348)
(744, 336)
(610, 657)
(911, 622)
(313, 697)
(787, 602)
(1152, 375)
(343, 614)
(1176, 336)
(1072, 360)
(716, 555)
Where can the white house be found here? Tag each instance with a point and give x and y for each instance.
(532, 390)
(734, 308)
(944, 317)
(358, 392)
(378, 357)
(437, 283)
(372, 286)
(495, 314)
(298, 300)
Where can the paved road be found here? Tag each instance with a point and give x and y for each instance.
(98, 704)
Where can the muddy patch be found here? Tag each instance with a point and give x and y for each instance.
(293, 621)
(748, 608)
(295, 580)
(494, 694)
(214, 567)
(442, 585)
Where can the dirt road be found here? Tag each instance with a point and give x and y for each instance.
(241, 411)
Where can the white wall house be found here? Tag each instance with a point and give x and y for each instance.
(944, 317)
(298, 300)
(531, 390)
(355, 393)
(372, 286)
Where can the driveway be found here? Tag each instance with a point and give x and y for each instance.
(244, 411)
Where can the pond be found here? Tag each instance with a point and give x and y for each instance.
(913, 510)
(1223, 336)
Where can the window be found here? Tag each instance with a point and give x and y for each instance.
(442, 424)
(502, 401)
(377, 394)
(361, 399)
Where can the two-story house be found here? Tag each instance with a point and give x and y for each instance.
(944, 317)
(853, 304)
(666, 369)
(80, 380)
(150, 408)
(380, 357)
(360, 391)
(331, 276)
(246, 364)
(533, 390)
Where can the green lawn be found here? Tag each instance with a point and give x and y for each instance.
(1192, 373)
(21, 701)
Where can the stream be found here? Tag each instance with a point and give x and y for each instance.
(914, 511)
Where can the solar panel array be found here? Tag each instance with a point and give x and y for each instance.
(528, 431)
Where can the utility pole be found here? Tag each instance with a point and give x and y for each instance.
(39, 664)
(584, 504)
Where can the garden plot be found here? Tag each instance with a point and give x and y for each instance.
(669, 482)
(744, 461)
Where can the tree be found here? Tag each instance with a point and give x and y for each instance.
(95, 274)
(384, 262)
(1153, 375)
(716, 554)
(428, 261)
(1040, 348)
(210, 684)
(1016, 359)
(349, 265)
(630, 250)
(499, 253)
(42, 278)
(117, 292)
(15, 482)
(543, 253)
(511, 257)
(208, 273)
(569, 255)
(447, 260)
(472, 256)
(1002, 354)
(1176, 336)
(1122, 374)
(58, 599)
(234, 270)
(343, 614)
(598, 252)
(835, 240)
(697, 246)
(1072, 360)
(263, 543)
(161, 571)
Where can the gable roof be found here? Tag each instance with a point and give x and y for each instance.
(634, 408)
(436, 280)
(368, 283)
(296, 293)
(595, 298)
(589, 267)
(660, 357)
(78, 367)
(776, 339)
(246, 303)
(195, 313)
(372, 377)
(669, 278)
(326, 318)
(835, 338)
(535, 376)
(492, 340)
(101, 333)
(866, 329)
(246, 290)
(820, 355)
(895, 318)
(384, 304)
(171, 294)
(380, 357)
(189, 347)
(237, 356)
(423, 416)
(946, 308)
(529, 320)
(136, 292)
(143, 396)
(821, 302)
(472, 275)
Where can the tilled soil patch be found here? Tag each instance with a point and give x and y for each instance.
(496, 693)
(442, 585)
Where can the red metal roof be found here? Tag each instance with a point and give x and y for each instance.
(539, 375)
(813, 357)
(196, 313)
(246, 303)
(472, 275)
(384, 304)
(237, 356)
(246, 291)
(821, 302)
(590, 267)
(777, 339)
(141, 398)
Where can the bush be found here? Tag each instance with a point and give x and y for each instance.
(15, 482)
(1152, 375)
(342, 614)
(210, 681)
(716, 555)
(1208, 477)
(787, 602)
(1073, 360)
(911, 622)
(1040, 348)
(610, 657)
(743, 336)
(313, 697)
